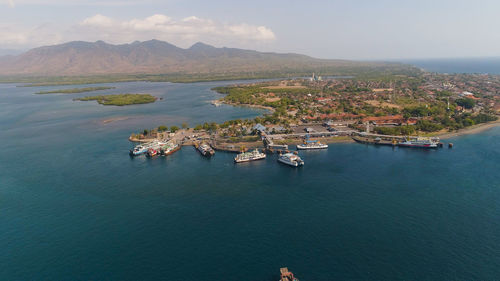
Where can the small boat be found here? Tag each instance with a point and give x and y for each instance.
(291, 159)
(249, 156)
(152, 152)
(205, 149)
(216, 103)
(287, 275)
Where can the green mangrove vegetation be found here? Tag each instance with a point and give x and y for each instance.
(121, 99)
(75, 90)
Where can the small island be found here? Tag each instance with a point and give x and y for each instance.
(74, 90)
(121, 99)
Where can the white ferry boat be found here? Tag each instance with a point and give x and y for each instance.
(312, 145)
(249, 156)
(138, 150)
(291, 159)
(141, 148)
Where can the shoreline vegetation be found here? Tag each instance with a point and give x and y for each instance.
(120, 99)
(366, 72)
(405, 103)
(424, 105)
(267, 108)
(74, 90)
(331, 110)
(475, 129)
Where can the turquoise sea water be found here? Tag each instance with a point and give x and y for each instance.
(75, 206)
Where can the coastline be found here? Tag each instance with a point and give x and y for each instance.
(475, 129)
(268, 108)
(327, 140)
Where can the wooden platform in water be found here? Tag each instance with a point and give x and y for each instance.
(237, 147)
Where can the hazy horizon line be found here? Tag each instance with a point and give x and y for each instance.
(16, 52)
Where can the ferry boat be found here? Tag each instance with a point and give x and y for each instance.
(249, 156)
(311, 144)
(143, 148)
(169, 148)
(419, 142)
(291, 159)
(139, 149)
(205, 149)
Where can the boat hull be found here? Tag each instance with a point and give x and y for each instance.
(418, 145)
(138, 152)
(206, 152)
(301, 147)
(248, 160)
(172, 151)
(293, 164)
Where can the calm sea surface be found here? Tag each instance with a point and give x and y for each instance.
(460, 65)
(75, 206)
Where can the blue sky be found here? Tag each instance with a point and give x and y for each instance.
(355, 29)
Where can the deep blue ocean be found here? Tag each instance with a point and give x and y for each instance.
(75, 206)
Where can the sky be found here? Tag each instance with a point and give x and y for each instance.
(355, 29)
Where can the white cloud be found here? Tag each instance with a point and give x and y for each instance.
(183, 32)
(98, 20)
(256, 32)
(13, 36)
(80, 2)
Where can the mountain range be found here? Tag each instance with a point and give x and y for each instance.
(158, 57)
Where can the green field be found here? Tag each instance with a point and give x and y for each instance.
(74, 90)
(121, 99)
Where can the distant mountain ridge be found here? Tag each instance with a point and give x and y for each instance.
(154, 57)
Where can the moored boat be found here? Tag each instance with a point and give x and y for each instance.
(205, 149)
(291, 159)
(249, 156)
(419, 142)
(143, 148)
(152, 152)
(311, 144)
(169, 148)
(139, 149)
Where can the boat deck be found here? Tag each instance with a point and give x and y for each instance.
(368, 140)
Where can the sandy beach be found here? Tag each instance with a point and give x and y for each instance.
(270, 109)
(470, 130)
